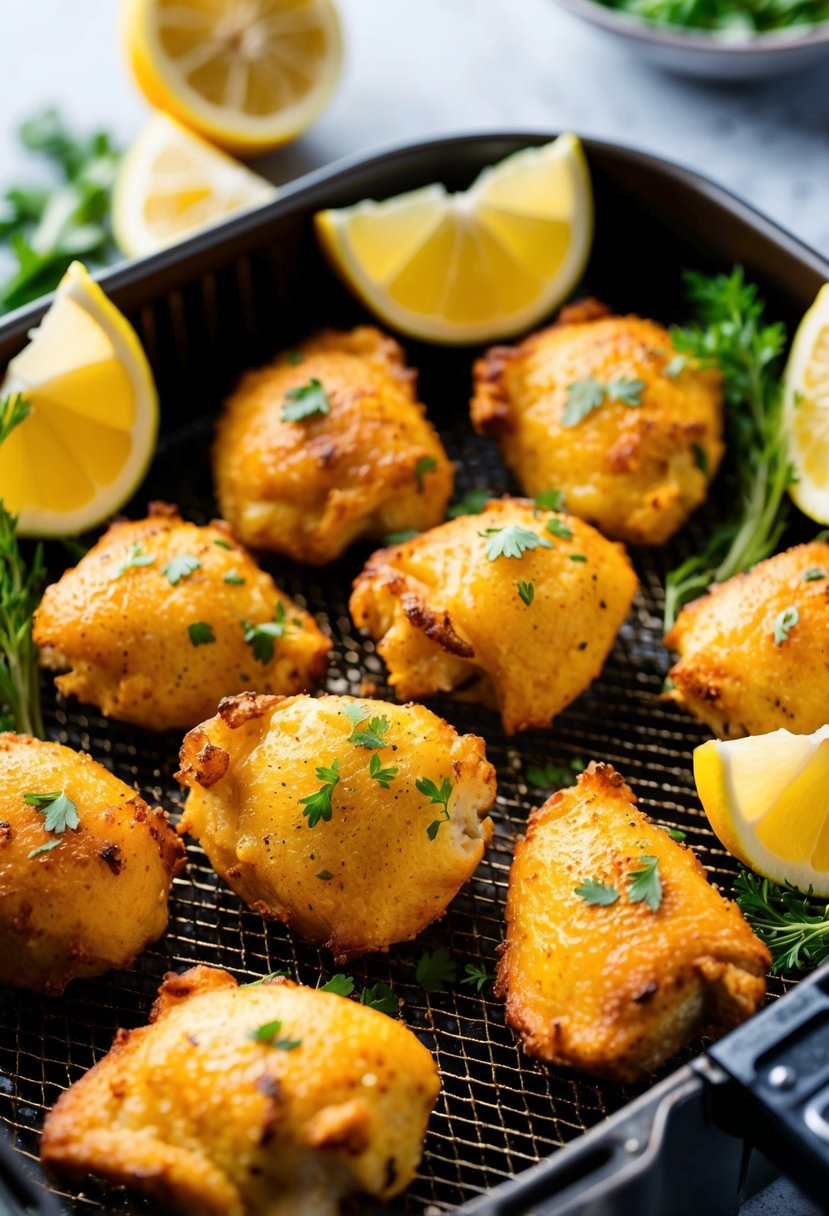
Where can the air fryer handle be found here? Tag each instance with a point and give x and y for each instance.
(775, 1087)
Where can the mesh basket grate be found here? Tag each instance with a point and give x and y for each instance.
(498, 1112)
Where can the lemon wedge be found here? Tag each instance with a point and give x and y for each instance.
(806, 410)
(476, 266)
(172, 183)
(248, 75)
(767, 799)
(91, 430)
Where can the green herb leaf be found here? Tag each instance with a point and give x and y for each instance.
(436, 969)
(324, 875)
(578, 557)
(224, 544)
(792, 923)
(439, 797)
(784, 623)
(550, 500)
(383, 776)
(583, 396)
(201, 633)
(526, 591)
(513, 541)
(475, 977)
(381, 998)
(304, 402)
(342, 985)
(701, 458)
(60, 814)
(675, 834)
(44, 848)
(318, 805)
(472, 503)
(268, 1033)
(644, 885)
(592, 891)
(426, 464)
(556, 528)
(234, 578)
(674, 366)
(264, 978)
(180, 567)
(554, 776)
(135, 558)
(398, 538)
(814, 574)
(262, 638)
(374, 735)
(626, 390)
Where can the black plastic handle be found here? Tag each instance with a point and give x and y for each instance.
(22, 1190)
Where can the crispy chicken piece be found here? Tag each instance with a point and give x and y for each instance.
(163, 618)
(208, 1119)
(754, 652)
(635, 470)
(448, 618)
(370, 465)
(371, 863)
(76, 900)
(615, 990)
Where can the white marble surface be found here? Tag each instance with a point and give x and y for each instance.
(422, 67)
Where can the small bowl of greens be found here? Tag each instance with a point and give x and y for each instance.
(720, 39)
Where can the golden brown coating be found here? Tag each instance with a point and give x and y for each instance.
(381, 861)
(736, 672)
(207, 1120)
(446, 618)
(636, 472)
(98, 896)
(373, 464)
(616, 990)
(159, 644)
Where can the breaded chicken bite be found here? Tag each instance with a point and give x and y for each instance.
(754, 651)
(515, 608)
(354, 822)
(601, 408)
(327, 444)
(261, 1100)
(86, 867)
(618, 950)
(163, 618)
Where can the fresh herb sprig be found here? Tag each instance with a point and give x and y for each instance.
(730, 332)
(439, 796)
(318, 805)
(735, 16)
(20, 586)
(794, 926)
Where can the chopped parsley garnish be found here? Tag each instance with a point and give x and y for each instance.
(475, 977)
(272, 975)
(381, 998)
(224, 544)
(180, 567)
(436, 969)
(644, 885)
(585, 396)
(675, 834)
(135, 557)
(784, 623)
(234, 578)
(814, 574)
(578, 557)
(701, 458)
(262, 638)
(60, 812)
(342, 985)
(268, 1033)
(526, 591)
(550, 500)
(201, 633)
(439, 797)
(592, 891)
(426, 464)
(554, 776)
(556, 528)
(674, 366)
(318, 805)
(512, 541)
(472, 503)
(383, 776)
(373, 735)
(304, 402)
(397, 538)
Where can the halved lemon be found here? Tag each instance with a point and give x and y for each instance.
(476, 266)
(767, 799)
(248, 75)
(172, 183)
(806, 410)
(91, 431)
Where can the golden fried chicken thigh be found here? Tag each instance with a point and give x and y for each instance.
(263, 1100)
(372, 859)
(448, 617)
(163, 618)
(83, 883)
(754, 651)
(615, 989)
(309, 487)
(636, 470)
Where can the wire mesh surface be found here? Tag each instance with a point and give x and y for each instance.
(499, 1111)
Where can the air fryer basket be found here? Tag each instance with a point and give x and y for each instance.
(228, 300)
